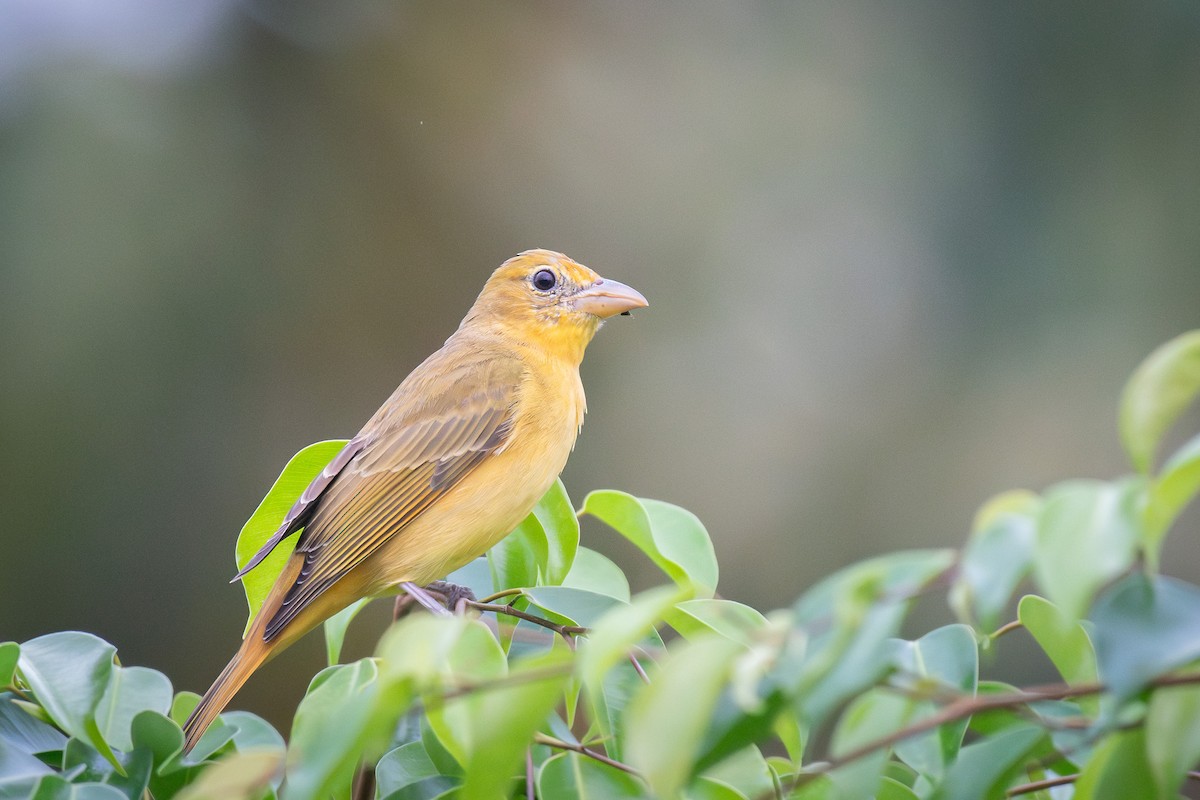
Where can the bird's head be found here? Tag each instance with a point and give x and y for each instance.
(547, 298)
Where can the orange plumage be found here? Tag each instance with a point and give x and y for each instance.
(452, 462)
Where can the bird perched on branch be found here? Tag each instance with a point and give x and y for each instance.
(453, 461)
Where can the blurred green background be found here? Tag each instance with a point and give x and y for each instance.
(900, 257)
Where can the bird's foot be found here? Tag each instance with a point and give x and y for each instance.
(439, 597)
(457, 596)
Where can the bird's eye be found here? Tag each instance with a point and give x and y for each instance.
(544, 280)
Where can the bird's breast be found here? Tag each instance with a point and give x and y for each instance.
(493, 499)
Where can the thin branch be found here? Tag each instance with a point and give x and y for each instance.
(1037, 786)
(491, 598)
(508, 610)
(637, 666)
(964, 707)
(559, 744)
(1007, 627)
(529, 791)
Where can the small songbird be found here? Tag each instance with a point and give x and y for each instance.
(453, 461)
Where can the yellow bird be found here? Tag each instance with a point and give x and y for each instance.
(453, 461)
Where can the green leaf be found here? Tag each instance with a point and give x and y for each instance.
(572, 606)
(672, 537)
(252, 732)
(345, 718)
(745, 771)
(69, 673)
(693, 618)
(1118, 770)
(619, 629)
(53, 787)
(996, 558)
(407, 765)
(946, 658)
(240, 776)
(10, 652)
(844, 626)
(300, 471)
(1170, 493)
(984, 769)
(1064, 640)
(596, 573)
(1087, 535)
(1145, 628)
(1160, 389)
(892, 789)
(569, 776)
(1172, 736)
(869, 716)
(19, 765)
(26, 733)
(130, 691)
(83, 764)
(335, 629)
(665, 723)
(542, 548)
(503, 720)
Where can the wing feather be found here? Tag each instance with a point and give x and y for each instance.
(409, 459)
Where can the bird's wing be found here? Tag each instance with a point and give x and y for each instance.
(302, 510)
(412, 456)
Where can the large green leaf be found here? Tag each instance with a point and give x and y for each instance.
(869, 716)
(503, 720)
(17, 764)
(672, 537)
(474, 659)
(335, 726)
(1170, 492)
(996, 558)
(619, 629)
(53, 787)
(1087, 535)
(665, 723)
(984, 769)
(130, 691)
(1118, 770)
(408, 765)
(1172, 736)
(1144, 628)
(1160, 389)
(69, 673)
(844, 626)
(240, 776)
(266, 519)
(597, 573)
(1064, 640)
(10, 653)
(693, 618)
(569, 776)
(336, 626)
(26, 733)
(542, 548)
(572, 606)
(945, 659)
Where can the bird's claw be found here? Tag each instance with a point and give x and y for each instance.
(456, 595)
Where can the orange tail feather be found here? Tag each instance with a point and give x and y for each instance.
(247, 659)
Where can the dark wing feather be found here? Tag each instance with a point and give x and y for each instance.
(411, 458)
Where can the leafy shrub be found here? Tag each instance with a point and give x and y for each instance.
(566, 686)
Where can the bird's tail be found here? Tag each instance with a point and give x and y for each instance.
(249, 656)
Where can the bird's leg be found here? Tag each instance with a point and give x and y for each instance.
(423, 597)
(457, 596)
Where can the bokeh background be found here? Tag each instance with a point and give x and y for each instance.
(900, 257)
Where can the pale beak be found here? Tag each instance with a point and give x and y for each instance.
(606, 298)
